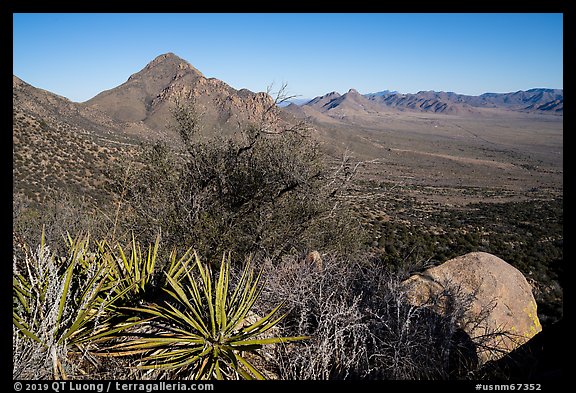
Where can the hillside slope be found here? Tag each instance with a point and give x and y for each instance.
(147, 97)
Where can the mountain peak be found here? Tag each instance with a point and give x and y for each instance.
(323, 100)
(133, 100)
(165, 57)
(170, 61)
(148, 96)
(353, 91)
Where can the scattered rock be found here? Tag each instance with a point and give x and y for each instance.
(315, 258)
(501, 313)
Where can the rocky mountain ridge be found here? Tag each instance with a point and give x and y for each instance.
(65, 134)
(60, 144)
(545, 101)
(148, 96)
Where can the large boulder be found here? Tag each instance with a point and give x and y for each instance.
(499, 308)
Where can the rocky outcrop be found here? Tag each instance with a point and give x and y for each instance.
(500, 310)
(148, 97)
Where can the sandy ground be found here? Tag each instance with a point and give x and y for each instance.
(455, 160)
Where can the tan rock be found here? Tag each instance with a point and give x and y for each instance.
(315, 258)
(501, 313)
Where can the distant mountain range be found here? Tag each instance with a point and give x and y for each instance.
(538, 100)
(295, 101)
(381, 93)
(57, 142)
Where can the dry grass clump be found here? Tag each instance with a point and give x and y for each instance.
(362, 325)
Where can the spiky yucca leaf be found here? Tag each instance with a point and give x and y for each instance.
(65, 304)
(177, 267)
(204, 332)
(129, 273)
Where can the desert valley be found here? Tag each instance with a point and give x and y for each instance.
(429, 176)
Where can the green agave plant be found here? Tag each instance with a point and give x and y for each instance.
(203, 331)
(64, 304)
(129, 275)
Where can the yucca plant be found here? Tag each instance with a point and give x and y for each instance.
(202, 328)
(62, 304)
(129, 274)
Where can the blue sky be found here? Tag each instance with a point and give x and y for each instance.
(80, 55)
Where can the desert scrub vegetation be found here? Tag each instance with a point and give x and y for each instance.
(50, 157)
(362, 325)
(103, 310)
(528, 235)
(263, 191)
(59, 214)
(72, 312)
(268, 195)
(266, 190)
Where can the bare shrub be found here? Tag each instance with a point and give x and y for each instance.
(62, 305)
(41, 311)
(419, 341)
(266, 191)
(29, 358)
(322, 304)
(362, 324)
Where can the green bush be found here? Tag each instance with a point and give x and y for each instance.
(259, 192)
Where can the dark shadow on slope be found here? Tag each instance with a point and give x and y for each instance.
(541, 358)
